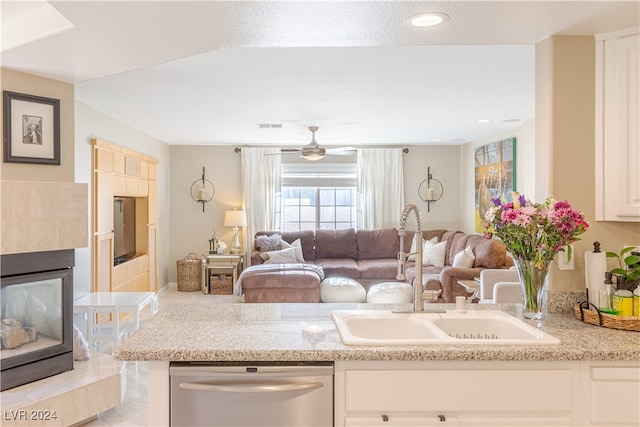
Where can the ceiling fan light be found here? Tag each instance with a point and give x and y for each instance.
(314, 156)
(428, 19)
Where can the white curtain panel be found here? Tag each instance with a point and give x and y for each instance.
(260, 189)
(380, 187)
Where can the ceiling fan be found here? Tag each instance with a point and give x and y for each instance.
(313, 151)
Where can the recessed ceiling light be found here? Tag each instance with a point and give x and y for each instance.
(437, 140)
(484, 120)
(428, 19)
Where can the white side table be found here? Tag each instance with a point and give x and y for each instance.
(111, 305)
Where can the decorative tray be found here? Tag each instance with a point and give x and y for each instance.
(589, 313)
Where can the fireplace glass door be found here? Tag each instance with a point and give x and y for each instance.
(31, 317)
(36, 309)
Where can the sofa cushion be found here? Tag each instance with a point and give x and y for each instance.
(342, 289)
(339, 267)
(306, 239)
(458, 243)
(377, 244)
(490, 253)
(336, 244)
(378, 268)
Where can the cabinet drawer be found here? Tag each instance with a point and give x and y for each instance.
(459, 390)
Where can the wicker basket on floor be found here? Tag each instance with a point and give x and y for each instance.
(221, 284)
(189, 273)
(588, 313)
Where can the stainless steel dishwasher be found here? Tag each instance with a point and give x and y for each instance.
(251, 394)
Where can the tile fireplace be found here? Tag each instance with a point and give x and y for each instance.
(36, 304)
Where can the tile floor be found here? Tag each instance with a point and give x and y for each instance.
(133, 410)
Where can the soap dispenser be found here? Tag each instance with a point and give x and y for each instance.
(606, 293)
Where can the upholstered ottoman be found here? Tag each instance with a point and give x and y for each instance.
(285, 285)
(390, 293)
(342, 289)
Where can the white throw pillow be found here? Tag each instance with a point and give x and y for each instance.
(413, 249)
(434, 254)
(464, 258)
(283, 256)
(297, 246)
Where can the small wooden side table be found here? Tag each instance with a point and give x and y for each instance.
(221, 264)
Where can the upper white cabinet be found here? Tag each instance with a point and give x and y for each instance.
(617, 126)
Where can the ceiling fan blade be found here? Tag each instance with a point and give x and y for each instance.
(341, 151)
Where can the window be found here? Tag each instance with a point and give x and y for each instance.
(318, 196)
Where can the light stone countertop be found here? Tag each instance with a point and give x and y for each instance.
(202, 330)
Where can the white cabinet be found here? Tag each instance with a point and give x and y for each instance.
(612, 394)
(617, 126)
(456, 393)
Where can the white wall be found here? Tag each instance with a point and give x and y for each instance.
(90, 123)
(525, 169)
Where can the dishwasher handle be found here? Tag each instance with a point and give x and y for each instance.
(249, 387)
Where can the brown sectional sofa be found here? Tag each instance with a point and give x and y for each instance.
(370, 256)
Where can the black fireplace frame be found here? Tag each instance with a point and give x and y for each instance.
(39, 364)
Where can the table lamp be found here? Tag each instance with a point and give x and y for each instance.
(235, 219)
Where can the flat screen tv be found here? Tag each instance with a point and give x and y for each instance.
(124, 229)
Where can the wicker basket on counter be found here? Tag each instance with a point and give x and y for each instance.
(189, 273)
(589, 313)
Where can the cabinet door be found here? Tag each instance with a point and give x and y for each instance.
(103, 262)
(618, 129)
(614, 396)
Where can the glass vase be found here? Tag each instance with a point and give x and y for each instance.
(532, 280)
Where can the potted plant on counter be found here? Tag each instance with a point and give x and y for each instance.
(628, 272)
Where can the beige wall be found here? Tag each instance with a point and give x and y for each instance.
(565, 129)
(15, 81)
(525, 152)
(191, 228)
(91, 123)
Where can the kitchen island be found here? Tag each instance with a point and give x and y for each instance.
(276, 332)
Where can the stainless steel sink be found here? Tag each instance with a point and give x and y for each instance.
(486, 327)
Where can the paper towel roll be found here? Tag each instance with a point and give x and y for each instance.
(595, 265)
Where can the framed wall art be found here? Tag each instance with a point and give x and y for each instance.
(495, 176)
(31, 129)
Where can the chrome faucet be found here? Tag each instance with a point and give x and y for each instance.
(418, 303)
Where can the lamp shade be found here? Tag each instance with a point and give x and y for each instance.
(235, 218)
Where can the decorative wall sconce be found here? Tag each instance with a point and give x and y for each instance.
(202, 190)
(430, 190)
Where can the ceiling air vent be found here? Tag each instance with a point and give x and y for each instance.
(270, 125)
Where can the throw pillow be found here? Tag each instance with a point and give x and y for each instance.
(464, 258)
(434, 254)
(297, 245)
(268, 243)
(414, 247)
(283, 256)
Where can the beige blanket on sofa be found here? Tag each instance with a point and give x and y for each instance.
(275, 268)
